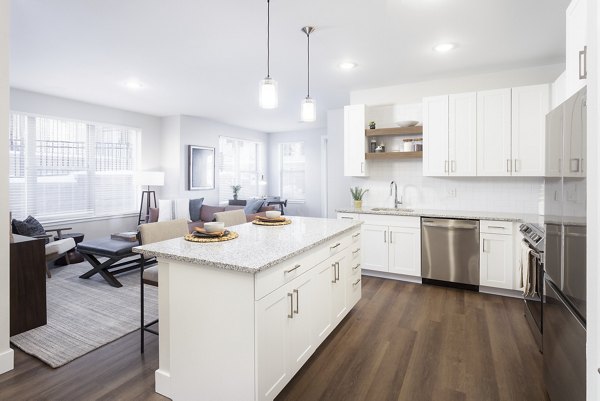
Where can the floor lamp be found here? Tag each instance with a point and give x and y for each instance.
(147, 179)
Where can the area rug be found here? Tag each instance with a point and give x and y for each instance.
(84, 315)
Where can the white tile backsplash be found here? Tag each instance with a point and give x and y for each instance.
(494, 194)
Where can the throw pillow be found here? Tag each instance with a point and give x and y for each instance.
(28, 227)
(252, 205)
(165, 206)
(195, 205)
(207, 213)
(181, 209)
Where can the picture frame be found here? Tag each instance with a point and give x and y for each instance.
(201, 168)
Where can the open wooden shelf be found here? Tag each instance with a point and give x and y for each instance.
(416, 130)
(394, 155)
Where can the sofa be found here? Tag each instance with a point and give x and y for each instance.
(207, 213)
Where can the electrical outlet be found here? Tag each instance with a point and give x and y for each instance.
(452, 192)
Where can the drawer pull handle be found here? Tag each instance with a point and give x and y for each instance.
(291, 315)
(349, 218)
(355, 251)
(292, 269)
(498, 227)
(356, 267)
(297, 301)
(355, 235)
(356, 283)
(335, 246)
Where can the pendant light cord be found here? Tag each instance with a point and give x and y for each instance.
(268, 39)
(308, 65)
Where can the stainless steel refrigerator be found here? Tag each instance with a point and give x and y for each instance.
(564, 309)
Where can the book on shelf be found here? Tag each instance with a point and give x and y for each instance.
(130, 236)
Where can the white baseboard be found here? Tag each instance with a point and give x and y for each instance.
(7, 361)
(392, 276)
(162, 385)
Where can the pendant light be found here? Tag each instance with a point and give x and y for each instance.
(268, 87)
(308, 110)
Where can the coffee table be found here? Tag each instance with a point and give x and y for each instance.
(114, 251)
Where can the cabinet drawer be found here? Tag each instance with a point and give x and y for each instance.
(355, 268)
(348, 216)
(271, 279)
(495, 227)
(399, 221)
(339, 244)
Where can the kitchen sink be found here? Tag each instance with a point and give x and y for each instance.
(391, 209)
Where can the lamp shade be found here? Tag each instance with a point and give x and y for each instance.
(308, 112)
(151, 178)
(268, 93)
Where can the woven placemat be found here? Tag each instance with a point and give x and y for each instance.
(228, 237)
(268, 223)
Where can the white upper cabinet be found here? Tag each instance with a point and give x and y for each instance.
(554, 122)
(576, 47)
(462, 134)
(530, 104)
(494, 133)
(435, 136)
(354, 141)
(574, 136)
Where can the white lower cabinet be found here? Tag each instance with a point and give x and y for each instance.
(496, 257)
(394, 247)
(294, 319)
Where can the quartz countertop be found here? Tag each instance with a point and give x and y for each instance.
(257, 248)
(450, 214)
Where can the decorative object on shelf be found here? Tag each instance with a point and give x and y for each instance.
(380, 148)
(201, 167)
(236, 189)
(308, 110)
(373, 145)
(227, 236)
(148, 179)
(418, 144)
(268, 86)
(372, 125)
(408, 145)
(357, 195)
(407, 123)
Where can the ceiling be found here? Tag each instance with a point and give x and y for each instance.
(205, 58)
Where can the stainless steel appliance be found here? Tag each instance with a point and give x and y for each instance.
(534, 238)
(564, 319)
(450, 252)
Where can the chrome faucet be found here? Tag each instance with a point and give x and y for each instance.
(394, 190)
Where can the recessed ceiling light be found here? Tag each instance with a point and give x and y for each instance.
(134, 84)
(347, 65)
(444, 47)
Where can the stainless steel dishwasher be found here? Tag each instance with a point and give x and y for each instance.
(450, 252)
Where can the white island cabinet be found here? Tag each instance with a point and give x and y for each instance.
(239, 318)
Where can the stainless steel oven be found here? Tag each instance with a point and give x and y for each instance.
(533, 237)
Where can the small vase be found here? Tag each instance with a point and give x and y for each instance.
(235, 197)
(358, 204)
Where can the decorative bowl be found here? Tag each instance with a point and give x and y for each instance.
(407, 123)
(273, 214)
(214, 227)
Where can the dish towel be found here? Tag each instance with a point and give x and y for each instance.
(528, 277)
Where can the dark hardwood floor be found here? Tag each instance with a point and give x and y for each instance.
(401, 342)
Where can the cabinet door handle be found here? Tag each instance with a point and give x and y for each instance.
(356, 283)
(362, 167)
(356, 235)
(356, 267)
(292, 269)
(583, 63)
(508, 165)
(355, 251)
(453, 166)
(445, 166)
(576, 169)
(334, 275)
(385, 236)
(291, 315)
(337, 271)
(483, 245)
(297, 301)
(516, 168)
(391, 237)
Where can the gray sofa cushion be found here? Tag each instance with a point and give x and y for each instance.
(253, 205)
(195, 205)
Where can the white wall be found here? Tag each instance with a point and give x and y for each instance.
(37, 103)
(6, 353)
(414, 92)
(180, 131)
(312, 149)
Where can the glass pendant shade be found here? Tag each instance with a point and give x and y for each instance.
(308, 111)
(268, 93)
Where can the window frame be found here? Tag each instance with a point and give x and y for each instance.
(281, 171)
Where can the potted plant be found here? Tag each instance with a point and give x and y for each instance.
(372, 125)
(236, 190)
(357, 195)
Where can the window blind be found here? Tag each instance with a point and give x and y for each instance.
(61, 169)
(293, 171)
(240, 163)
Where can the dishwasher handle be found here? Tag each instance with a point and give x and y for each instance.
(460, 226)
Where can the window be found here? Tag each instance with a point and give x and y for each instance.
(240, 163)
(293, 177)
(61, 169)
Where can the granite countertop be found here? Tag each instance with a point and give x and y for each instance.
(257, 248)
(451, 214)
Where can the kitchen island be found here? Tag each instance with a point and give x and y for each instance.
(238, 319)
